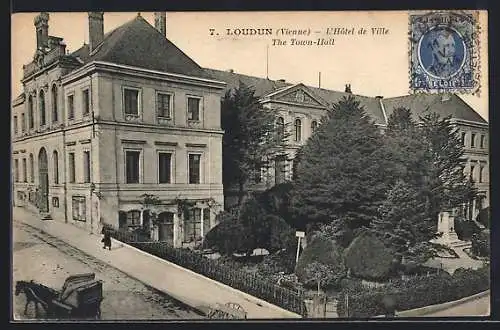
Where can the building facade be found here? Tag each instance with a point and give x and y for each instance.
(99, 131)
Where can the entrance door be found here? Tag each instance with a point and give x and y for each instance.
(43, 171)
(166, 227)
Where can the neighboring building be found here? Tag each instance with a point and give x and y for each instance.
(126, 115)
(299, 109)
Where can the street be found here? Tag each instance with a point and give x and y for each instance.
(47, 260)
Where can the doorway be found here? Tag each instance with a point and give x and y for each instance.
(166, 227)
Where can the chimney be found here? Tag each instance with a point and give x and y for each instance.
(96, 28)
(161, 22)
(42, 30)
(348, 88)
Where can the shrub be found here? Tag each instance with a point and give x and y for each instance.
(481, 244)
(222, 237)
(321, 254)
(416, 292)
(484, 217)
(366, 257)
(465, 229)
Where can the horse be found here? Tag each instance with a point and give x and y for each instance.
(37, 293)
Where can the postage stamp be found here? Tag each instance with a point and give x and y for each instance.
(444, 52)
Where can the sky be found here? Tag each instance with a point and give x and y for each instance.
(373, 64)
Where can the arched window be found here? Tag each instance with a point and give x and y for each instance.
(32, 169)
(55, 158)
(42, 108)
(298, 130)
(30, 112)
(280, 126)
(54, 104)
(314, 125)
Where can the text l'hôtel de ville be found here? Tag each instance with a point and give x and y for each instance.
(302, 36)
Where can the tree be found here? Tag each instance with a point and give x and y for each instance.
(448, 186)
(405, 224)
(249, 137)
(342, 175)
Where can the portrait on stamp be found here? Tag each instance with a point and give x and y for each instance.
(443, 52)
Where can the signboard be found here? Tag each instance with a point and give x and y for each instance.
(300, 234)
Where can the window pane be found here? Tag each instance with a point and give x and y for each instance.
(56, 167)
(194, 168)
(86, 102)
(30, 112)
(280, 169)
(206, 221)
(71, 107)
(54, 104)
(86, 166)
(23, 122)
(71, 165)
(482, 141)
(131, 102)
(193, 109)
(132, 166)
(163, 105)
(298, 130)
(42, 108)
(15, 124)
(16, 170)
(472, 142)
(25, 171)
(164, 161)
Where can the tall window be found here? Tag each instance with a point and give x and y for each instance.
(55, 159)
(86, 166)
(131, 101)
(463, 138)
(23, 122)
(298, 130)
(32, 169)
(481, 169)
(85, 102)
(193, 108)
(16, 170)
(314, 125)
(472, 140)
(481, 143)
(472, 168)
(15, 125)
(279, 167)
(71, 106)
(55, 113)
(132, 168)
(163, 105)
(30, 112)
(134, 218)
(79, 208)
(25, 170)
(280, 127)
(43, 118)
(71, 167)
(192, 224)
(194, 168)
(164, 167)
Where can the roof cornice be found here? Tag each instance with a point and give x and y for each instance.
(140, 72)
(469, 123)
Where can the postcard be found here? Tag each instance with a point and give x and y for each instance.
(182, 166)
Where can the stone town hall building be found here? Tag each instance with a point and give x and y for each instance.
(130, 114)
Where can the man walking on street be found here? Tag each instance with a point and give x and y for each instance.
(107, 238)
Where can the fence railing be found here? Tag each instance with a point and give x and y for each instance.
(215, 270)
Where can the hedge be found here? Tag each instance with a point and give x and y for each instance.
(466, 229)
(367, 258)
(415, 293)
(481, 244)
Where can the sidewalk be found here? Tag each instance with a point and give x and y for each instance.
(190, 288)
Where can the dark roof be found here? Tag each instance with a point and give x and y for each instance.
(421, 104)
(137, 43)
(264, 86)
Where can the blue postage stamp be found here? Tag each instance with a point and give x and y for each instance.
(444, 52)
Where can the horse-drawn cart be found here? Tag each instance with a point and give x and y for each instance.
(80, 297)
